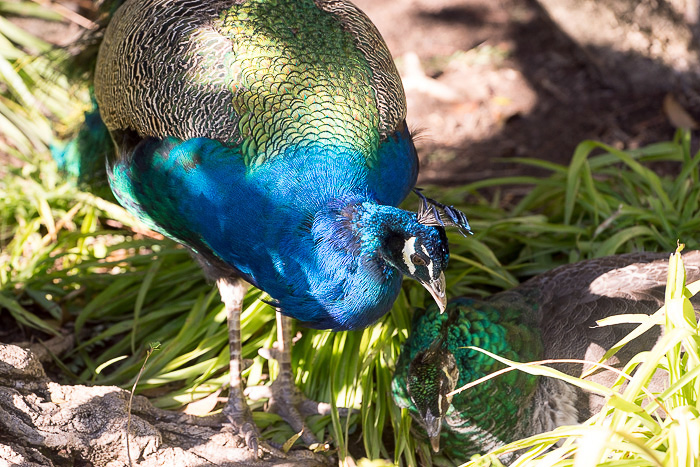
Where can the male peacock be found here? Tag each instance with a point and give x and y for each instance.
(550, 316)
(268, 136)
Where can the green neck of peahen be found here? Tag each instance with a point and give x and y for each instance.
(490, 412)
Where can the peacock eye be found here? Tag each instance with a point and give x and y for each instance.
(417, 260)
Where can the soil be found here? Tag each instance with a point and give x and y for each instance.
(488, 80)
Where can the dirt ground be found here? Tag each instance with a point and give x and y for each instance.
(495, 79)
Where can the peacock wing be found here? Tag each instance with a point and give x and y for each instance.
(570, 299)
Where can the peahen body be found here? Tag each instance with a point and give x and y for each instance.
(269, 137)
(552, 316)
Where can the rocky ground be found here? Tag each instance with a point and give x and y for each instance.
(46, 424)
(495, 79)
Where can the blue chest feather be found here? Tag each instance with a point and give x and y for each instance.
(280, 224)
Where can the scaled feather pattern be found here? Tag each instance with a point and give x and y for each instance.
(269, 137)
(551, 316)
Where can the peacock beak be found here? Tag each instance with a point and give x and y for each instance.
(437, 288)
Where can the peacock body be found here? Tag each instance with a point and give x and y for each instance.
(269, 137)
(552, 316)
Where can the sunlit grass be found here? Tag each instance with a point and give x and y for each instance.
(74, 262)
(634, 427)
(36, 99)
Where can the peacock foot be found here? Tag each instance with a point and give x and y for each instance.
(287, 401)
(239, 420)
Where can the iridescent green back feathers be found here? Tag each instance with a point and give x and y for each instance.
(239, 91)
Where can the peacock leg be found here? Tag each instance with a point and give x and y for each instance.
(236, 410)
(284, 398)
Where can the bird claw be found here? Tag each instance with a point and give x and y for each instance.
(305, 406)
(283, 397)
(242, 425)
(251, 440)
(269, 354)
(240, 422)
(288, 402)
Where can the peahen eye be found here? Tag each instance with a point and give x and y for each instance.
(417, 260)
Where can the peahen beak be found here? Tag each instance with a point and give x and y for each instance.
(435, 443)
(437, 288)
(432, 428)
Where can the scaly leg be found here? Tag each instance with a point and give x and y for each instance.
(285, 399)
(236, 410)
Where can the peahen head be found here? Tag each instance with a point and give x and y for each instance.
(432, 375)
(439, 356)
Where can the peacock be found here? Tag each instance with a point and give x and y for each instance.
(551, 316)
(269, 138)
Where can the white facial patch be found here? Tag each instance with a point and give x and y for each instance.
(409, 248)
(430, 263)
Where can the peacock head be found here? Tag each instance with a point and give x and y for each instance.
(432, 376)
(419, 247)
(420, 252)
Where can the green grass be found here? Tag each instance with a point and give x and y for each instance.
(635, 427)
(72, 261)
(36, 99)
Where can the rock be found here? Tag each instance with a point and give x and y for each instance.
(43, 423)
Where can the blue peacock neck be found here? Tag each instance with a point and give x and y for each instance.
(346, 280)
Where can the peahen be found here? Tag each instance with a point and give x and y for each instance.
(552, 315)
(269, 137)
